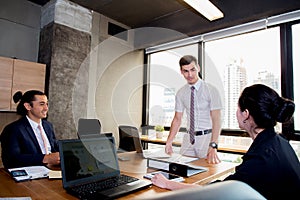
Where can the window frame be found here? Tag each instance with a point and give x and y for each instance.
(287, 89)
(287, 82)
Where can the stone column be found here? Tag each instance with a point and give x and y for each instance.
(65, 43)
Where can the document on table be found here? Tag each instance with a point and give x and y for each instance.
(178, 158)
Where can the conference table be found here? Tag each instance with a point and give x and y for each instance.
(134, 165)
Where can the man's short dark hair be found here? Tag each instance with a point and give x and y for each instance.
(186, 60)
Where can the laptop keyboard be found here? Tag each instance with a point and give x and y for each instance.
(88, 189)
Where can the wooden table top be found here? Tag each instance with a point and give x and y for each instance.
(135, 166)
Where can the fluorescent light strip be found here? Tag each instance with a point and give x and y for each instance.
(206, 8)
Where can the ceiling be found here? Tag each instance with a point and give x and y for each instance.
(177, 15)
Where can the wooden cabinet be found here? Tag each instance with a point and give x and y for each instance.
(6, 77)
(19, 75)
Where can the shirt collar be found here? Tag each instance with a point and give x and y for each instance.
(33, 123)
(197, 84)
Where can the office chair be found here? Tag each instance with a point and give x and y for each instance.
(129, 138)
(88, 128)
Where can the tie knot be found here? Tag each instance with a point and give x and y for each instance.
(193, 87)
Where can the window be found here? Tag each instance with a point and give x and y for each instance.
(230, 64)
(296, 72)
(235, 62)
(231, 59)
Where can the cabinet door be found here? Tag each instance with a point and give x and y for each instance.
(6, 74)
(27, 76)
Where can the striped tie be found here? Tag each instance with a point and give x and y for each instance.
(192, 119)
(44, 139)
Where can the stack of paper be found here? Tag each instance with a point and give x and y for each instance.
(55, 174)
(178, 158)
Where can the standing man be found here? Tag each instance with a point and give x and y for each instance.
(203, 105)
(30, 140)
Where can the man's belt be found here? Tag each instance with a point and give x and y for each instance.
(204, 132)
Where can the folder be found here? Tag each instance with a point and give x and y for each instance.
(180, 169)
(185, 170)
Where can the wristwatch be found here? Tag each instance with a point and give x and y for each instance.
(213, 145)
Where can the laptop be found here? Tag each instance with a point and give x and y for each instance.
(160, 153)
(87, 163)
(149, 153)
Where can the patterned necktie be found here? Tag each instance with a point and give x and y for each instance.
(44, 139)
(192, 119)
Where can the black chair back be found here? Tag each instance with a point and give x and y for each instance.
(88, 127)
(129, 138)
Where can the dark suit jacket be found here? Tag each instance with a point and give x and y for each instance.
(270, 166)
(20, 146)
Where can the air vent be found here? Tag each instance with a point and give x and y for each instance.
(117, 31)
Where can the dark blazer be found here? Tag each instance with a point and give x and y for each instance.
(20, 146)
(270, 166)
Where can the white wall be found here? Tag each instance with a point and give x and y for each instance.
(119, 93)
(115, 78)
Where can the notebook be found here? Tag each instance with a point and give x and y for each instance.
(86, 162)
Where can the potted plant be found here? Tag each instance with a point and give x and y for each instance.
(159, 131)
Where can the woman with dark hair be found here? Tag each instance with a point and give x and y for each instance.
(30, 140)
(270, 165)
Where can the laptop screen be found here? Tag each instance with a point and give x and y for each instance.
(88, 160)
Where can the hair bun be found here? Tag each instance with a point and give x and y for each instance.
(286, 111)
(17, 96)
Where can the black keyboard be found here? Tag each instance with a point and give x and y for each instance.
(88, 189)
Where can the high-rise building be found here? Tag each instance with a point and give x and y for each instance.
(269, 79)
(235, 79)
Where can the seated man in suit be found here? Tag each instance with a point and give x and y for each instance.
(30, 140)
